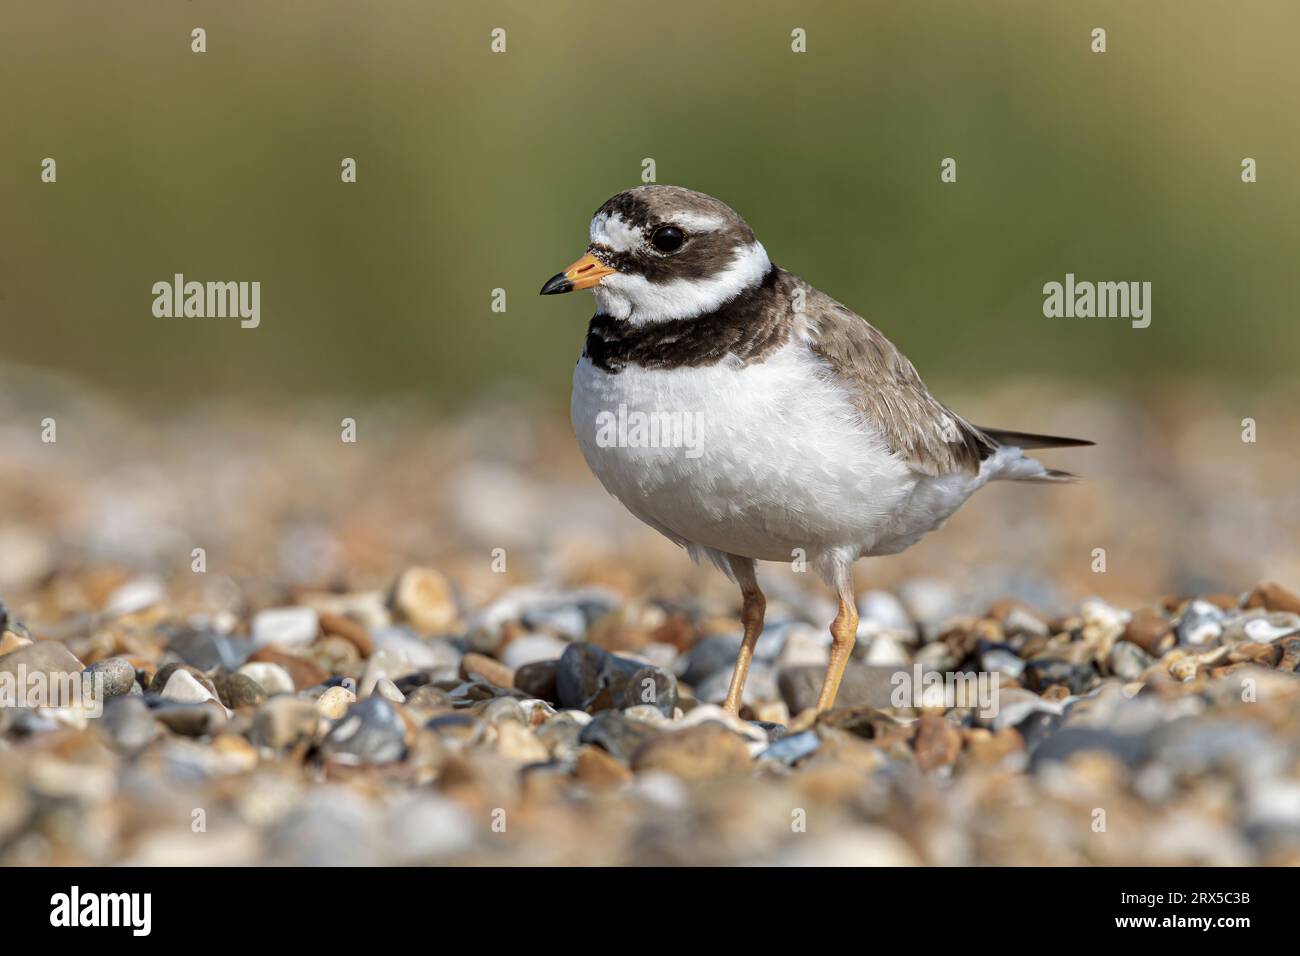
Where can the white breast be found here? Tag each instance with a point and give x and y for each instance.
(757, 460)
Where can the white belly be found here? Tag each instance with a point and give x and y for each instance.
(756, 461)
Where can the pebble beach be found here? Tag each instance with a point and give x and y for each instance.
(442, 644)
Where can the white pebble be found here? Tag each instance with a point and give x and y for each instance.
(273, 678)
(286, 626)
(183, 688)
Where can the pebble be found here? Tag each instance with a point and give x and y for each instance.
(283, 721)
(591, 678)
(388, 690)
(239, 690)
(372, 732)
(184, 688)
(208, 649)
(868, 847)
(937, 742)
(517, 743)
(1200, 624)
(427, 828)
(335, 702)
(1002, 660)
(1015, 706)
(708, 657)
(1273, 597)
(136, 595)
(1149, 631)
(1102, 623)
(354, 632)
(804, 644)
(463, 729)
(272, 678)
(861, 686)
(129, 723)
(492, 671)
(694, 753)
(538, 680)
(885, 651)
(1042, 674)
(883, 610)
(561, 735)
(1265, 630)
(117, 674)
(285, 627)
(598, 770)
(190, 719)
(531, 648)
(711, 713)
(11, 639)
(1128, 661)
(302, 672)
(792, 748)
(335, 655)
(616, 734)
(759, 686)
(44, 657)
(501, 710)
(400, 646)
(1021, 622)
(423, 598)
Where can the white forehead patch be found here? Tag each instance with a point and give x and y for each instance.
(698, 221)
(612, 231)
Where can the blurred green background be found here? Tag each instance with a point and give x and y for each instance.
(481, 170)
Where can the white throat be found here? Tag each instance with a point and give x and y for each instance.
(640, 301)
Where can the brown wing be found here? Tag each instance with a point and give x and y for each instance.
(916, 426)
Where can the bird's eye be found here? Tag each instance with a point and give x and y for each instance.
(667, 239)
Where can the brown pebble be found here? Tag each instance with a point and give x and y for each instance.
(598, 770)
(1222, 600)
(1266, 655)
(492, 671)
(986, 747)
(937, 742)
(537, 680)
(676, 630)
(1290, 654)
(1149, 631)
(305, 673)
(1274, 597)
(11, 641)
(704, 750)
(342, 626)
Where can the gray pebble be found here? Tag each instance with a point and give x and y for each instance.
(117, 674)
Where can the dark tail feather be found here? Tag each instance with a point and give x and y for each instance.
(1026, 440)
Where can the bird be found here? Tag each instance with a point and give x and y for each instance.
(747, 416)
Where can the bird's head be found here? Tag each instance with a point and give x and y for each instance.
(660, 253)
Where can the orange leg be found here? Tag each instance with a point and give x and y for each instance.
(844, 632)
(751, 616)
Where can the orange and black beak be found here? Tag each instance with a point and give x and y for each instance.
(583, 274)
